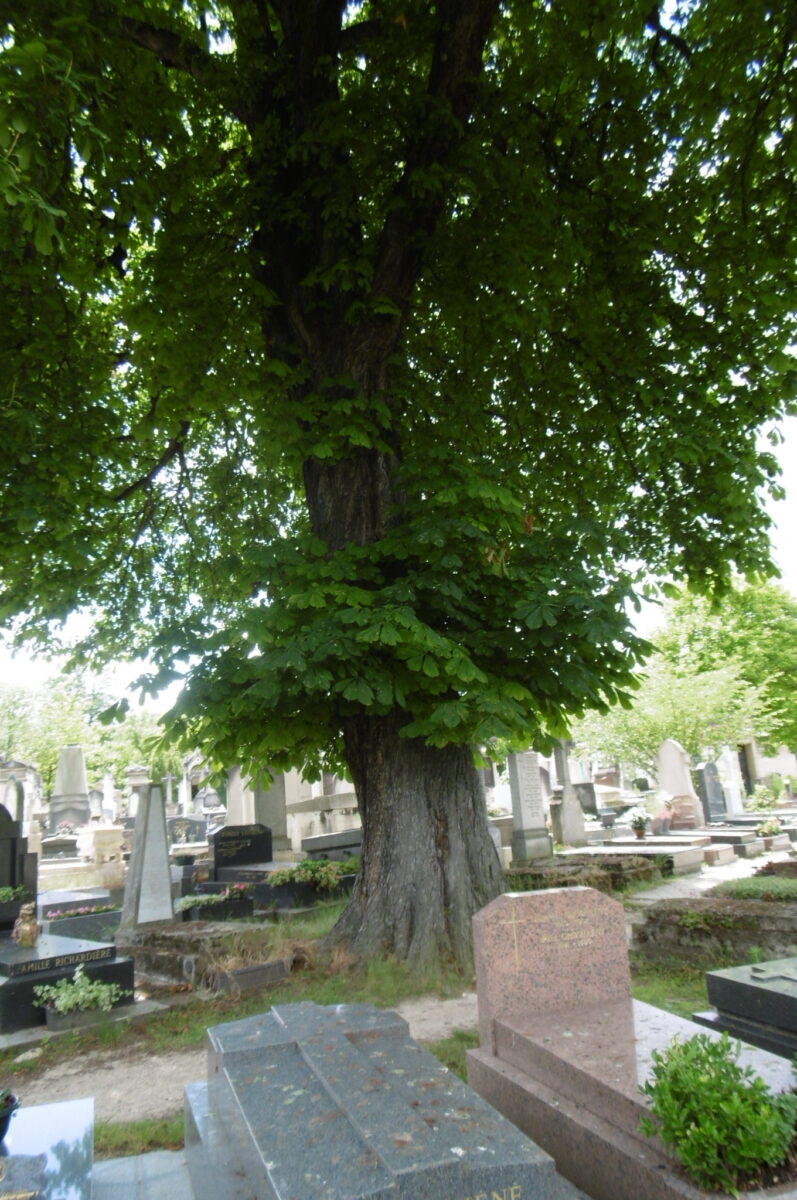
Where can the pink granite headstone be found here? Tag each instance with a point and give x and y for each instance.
(548, 951)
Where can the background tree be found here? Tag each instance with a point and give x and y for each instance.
(755, 626)
(352, 351)
(35, 723)
(703, 710)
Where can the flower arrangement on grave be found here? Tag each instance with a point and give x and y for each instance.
(85, 910)
(232, 894)
(79, 994)
(321, 873)
(768, 828)
(638, 818)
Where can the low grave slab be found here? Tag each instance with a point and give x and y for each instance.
(756, 1002)
(683, 859)
(339, 1103)
(337, 846)
(49, 1151)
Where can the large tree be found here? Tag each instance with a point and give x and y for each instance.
(356, 355)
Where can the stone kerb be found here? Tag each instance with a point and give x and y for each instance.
(545, 951)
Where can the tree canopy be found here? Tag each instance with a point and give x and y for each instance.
(359, 357)
(753, 625)
(704, 710)
(36, 723)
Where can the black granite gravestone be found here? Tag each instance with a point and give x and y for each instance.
(238, 846)
(339, 1103)
(180, 830)
(712, 796)
(18, 868)
(23, 968)
(757, 1003)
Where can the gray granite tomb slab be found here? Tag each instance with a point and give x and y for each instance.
(339, 1103)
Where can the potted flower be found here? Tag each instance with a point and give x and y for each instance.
(639, 819)
(768, 830)
(70, 1003)
(9, 1104)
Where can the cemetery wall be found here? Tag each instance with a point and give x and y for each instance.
(700, 927)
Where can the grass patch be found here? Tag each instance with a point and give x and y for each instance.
(137, 1137)
(451, 1050)
(758, 887)
(677, 987)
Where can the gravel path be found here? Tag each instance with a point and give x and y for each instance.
(133, 1087)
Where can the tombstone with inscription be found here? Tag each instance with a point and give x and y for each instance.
(530, 838)
(564, 1047)
(182, 831)
(240, 853)
(339, 1103)
(22, 968)
(709, 788)
(70, 799)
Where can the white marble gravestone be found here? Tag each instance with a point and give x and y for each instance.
(530, 838)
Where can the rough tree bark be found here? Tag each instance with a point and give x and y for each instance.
(428, 860)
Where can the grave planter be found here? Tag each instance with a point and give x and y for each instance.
(224, 910)
(80, 1019)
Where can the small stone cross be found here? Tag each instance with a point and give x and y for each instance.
(763, 973)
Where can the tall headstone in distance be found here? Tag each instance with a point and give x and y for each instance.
(70, 799)
(240, 799)
(571, 814)
(673, 775)
(148, 889)
(712, 795)
(530, 838)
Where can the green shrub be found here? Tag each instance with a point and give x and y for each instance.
(719, 1118)
(321, 873)
(79, 994)
(758, 887)
(761, 800)
(13, 893)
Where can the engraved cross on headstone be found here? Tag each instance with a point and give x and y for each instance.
(513, 922)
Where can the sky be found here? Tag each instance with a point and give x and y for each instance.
(21, 670)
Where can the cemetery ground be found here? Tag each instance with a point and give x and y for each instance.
(136, 1072)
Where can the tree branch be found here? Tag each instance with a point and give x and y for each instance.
(174, 449)
(178, 52)
(456, 65)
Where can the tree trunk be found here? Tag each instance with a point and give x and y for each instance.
(428, 860)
